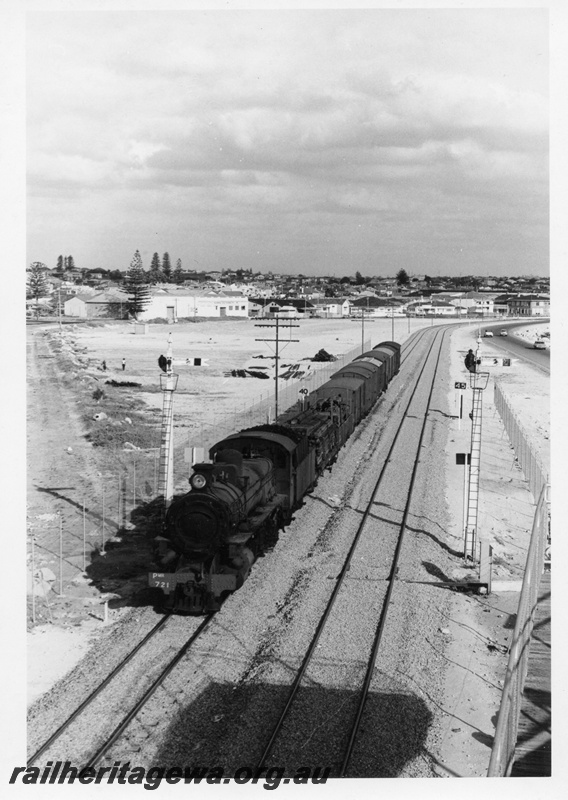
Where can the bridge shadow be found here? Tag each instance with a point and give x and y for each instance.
(228, 726)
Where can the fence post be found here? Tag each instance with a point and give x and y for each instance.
(33, 581)
(84, 539)
(60, 556)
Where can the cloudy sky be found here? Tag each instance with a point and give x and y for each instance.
(312, 141)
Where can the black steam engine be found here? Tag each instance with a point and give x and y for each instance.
(257, 478)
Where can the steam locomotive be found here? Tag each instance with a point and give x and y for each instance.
(256, 479)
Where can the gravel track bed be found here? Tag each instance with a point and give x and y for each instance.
(80, 739)
(217, 708)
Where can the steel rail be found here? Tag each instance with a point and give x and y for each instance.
(95, 693)
(339, 582)
(391, 584)
(148, 694)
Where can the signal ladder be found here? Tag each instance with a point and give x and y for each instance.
(166, 443)
(470, 547)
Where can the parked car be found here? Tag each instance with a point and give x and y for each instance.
(503, 332)
(488, 333)
(539, 345)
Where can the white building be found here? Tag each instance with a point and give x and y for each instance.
(183, 303)
(332, 307)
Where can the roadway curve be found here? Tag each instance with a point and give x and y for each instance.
(518, 347)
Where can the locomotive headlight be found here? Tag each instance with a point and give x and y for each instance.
(198, 481)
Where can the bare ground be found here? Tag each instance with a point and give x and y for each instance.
(61, 479)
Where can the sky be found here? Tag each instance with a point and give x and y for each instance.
(313, 141)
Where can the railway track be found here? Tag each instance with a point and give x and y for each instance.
(96, 749)
(383, 580)
(274, 752)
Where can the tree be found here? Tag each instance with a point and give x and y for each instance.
(136, 285)
(155, 273)
(359, 279)
(68, 262)
(37, 283)
(60, 266)
(178, 272)
(167, 267)
(402, 278)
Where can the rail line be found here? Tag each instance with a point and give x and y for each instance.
(119, 730)
(110, 678)
(261, 765)
(97, 691)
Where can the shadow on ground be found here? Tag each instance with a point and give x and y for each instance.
(228, 726)
(121, 569)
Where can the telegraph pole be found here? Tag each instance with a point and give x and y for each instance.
(287, 325)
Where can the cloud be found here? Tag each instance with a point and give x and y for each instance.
(249, 116)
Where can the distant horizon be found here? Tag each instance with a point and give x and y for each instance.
(326, 141)
(330, 275)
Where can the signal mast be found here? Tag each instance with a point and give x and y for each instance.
(168, 385)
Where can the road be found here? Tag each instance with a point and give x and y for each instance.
(518, 347)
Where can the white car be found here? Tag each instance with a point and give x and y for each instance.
(539, 345)
(488, 333)
(503, 332)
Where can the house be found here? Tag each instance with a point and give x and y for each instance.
(374, 306)
(475, 303)
(111, 304)
(529, 305)
(332, 307)
(269, 307)
(76, 306)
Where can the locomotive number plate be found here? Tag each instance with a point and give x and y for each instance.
(162, 580)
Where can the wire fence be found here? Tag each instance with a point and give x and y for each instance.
(538, 558)
(535, 472)
(62, 545)
(505, 740)
(261, 411)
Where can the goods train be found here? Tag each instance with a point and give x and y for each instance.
(255, 481)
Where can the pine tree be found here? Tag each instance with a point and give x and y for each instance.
(37, 282)
(70, 262)
(167, 267)
(402, 278)
(136, 285)
(178, 272)
(155, 274)
(60, 265)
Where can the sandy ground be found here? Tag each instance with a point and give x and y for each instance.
(206, 396)
(479, 629)
(208, 404)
